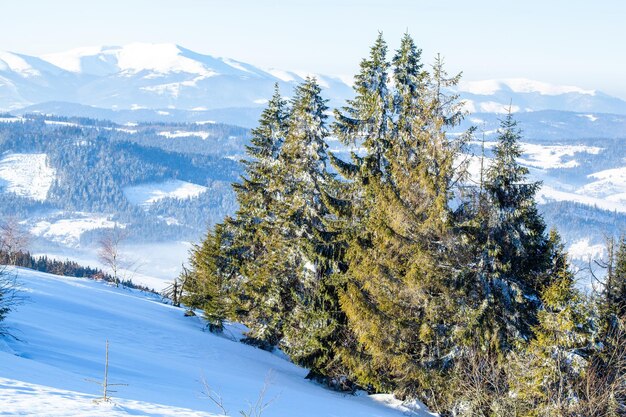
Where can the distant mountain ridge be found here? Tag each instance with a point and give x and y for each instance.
(141, 76)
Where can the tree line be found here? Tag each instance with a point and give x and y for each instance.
(394, 271)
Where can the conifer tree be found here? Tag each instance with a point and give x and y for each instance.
(615, 280)
(265, 269)
(211, 266)
(313, 326)
(236, 259)
(552, 367)
(366, 119)
(394, 254)
(512, 252)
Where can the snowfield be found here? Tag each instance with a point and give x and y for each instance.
(148, 193)
(66, 228)
(184, 134)
(26, 174)
(161, 355)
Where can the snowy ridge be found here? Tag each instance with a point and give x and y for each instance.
(161, 355)
(519, 85)
(153, 76)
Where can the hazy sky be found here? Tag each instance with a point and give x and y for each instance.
(573, 42)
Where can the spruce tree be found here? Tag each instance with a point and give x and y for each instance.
(238, 257)
(313, 329)
(511, 251)
(211, 267)
(615, 280)
(395, 255)
(265, 271)
(551, 369)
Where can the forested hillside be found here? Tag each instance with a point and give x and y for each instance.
(53, 167)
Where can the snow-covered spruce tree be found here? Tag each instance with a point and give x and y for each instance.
(550, 371)
(264, 291)
(396, 290)
(227, 260)
(313, 327)
(512, 252)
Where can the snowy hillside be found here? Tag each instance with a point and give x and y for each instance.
(148, 193)
(27, 175)
(161, 355)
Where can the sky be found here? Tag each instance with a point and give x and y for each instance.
(575, 42)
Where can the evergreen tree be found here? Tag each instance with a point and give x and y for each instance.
(511, 251)
(552, 367)
(236, 260)
(265, 270)
(211, 267)
(396, 257)
(366, 119)
(615, 280)
(313, 330)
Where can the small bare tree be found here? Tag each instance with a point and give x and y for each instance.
(109, 252)
(175, 290)
(105, 384)
(14, 238)
(255, 409)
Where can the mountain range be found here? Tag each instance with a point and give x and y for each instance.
(178, 81)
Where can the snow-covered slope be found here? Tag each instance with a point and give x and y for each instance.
(146, 194)
(28, 175)
(161, 355)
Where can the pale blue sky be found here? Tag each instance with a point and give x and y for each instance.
(567, 42)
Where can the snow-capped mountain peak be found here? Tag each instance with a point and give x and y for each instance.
(10, 61)
(519, 85)
(132, 58)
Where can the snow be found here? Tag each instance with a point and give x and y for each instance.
(184, 134)
(11, 119)
(589, 116)
(547, 193)
(583, 250)
(67, 230)
(132, 58)
(609, 184)
(72, 60)
(235, 64)
(550, 157)
(26, 174)
(285, 76)
(56, 122)
(519, 85)
(15, 63)
(148, 193)
(162, 356)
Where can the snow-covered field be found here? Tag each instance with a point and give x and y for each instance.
(26, 174)
(185, 134)
(148, 193)
(66, 228)
(162, 356)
